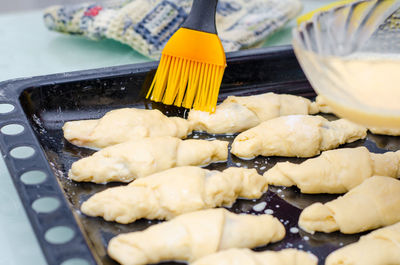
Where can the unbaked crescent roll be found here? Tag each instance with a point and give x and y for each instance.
(194, 235)
(172, 192)
(380, 247)
(335, 171)
(385, 131)
(122, 125)
(322, 105)
(324, 108)
(139, 158)
(372, 204)
(296, 136)
(245, 256)
(237, 114)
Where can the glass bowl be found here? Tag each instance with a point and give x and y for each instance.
(351, 56)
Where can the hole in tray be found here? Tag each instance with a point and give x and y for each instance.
(22, 152)
(45, 205)
(6, 108)
(33, 177)
(59, 235)
(75, 261)
(12, 129)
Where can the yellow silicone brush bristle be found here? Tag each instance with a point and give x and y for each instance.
(190, 71)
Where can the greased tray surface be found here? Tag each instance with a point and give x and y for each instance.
(43, 104)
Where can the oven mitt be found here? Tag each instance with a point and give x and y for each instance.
(146, 25)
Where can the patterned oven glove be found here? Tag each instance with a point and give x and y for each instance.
(146, 25)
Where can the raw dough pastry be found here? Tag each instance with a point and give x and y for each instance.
(237, 114)
(122, 125)
(385, 131)
(245, 256)
(372, 204)
(381, 247)
(335, 171)
(139, 158)
(295, 135)
(173, 192)
(194, 235)
(324, 108)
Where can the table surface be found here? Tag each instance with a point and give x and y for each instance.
(27, 48)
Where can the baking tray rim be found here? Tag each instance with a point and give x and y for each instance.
(13, 87)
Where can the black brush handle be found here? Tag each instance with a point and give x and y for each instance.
(202, 16)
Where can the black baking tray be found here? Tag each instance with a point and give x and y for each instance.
(43, 104)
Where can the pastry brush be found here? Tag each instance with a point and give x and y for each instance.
(192, 62)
